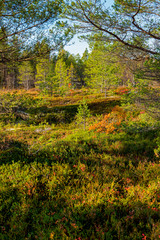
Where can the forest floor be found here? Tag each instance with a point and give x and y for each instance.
(60, 181)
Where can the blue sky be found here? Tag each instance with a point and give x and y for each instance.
(78, 46)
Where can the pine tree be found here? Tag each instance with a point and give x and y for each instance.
(61, 76)
(83, 113)
(102, 69)
(26, 75)
(42, 68)
(72, 77)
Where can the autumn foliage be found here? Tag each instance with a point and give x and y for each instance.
(110, 121)
(121, 90)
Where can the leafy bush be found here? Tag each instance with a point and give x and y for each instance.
(157, 149)
(110, 122)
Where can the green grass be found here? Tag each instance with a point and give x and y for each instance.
(66, 183)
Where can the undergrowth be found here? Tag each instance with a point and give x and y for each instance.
(58, 181)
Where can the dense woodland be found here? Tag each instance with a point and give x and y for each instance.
(80, 135)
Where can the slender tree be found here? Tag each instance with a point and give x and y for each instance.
(61, 76)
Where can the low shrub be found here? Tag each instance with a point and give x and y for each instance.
(61, 182)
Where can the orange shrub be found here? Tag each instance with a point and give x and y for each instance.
(121, 90)
(110, 122)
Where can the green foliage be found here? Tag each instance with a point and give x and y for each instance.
(21, 24)
(72, 76)
(26, 75)
(61, 76)
(102, 68)
(157, 149)
(83, 113)
(25, 36)
(46, 80)
(144, 94)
